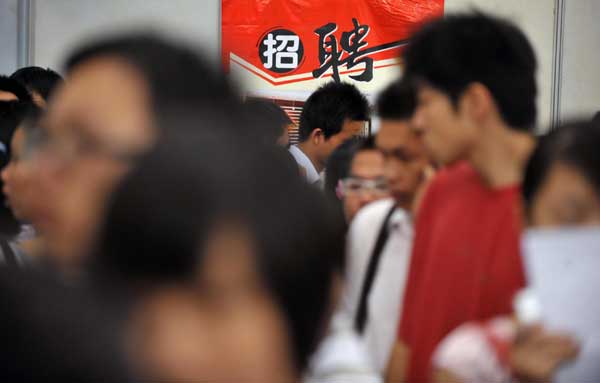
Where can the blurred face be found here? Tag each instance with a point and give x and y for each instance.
(17, 178)
(230, 311)
(350, 129)
(405, 159)
(366, 182)
(98, 121)
(565, 198)
(448, 133)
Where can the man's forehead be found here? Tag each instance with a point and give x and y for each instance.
(396, 132)
(99, 91)
(396, 128)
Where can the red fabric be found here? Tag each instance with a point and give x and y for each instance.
(245, 22)
(465, 265)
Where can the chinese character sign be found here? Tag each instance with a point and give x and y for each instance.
(298, 44)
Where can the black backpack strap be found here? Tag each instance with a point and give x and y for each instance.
(9, 255)
(362, 312)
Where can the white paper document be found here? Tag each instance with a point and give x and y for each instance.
(563, 270)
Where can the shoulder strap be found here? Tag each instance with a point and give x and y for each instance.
(362, 312)
(9, 256)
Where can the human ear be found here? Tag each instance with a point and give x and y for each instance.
(477, 102)
(317, 136)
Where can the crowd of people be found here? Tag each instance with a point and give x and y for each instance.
(157, 227)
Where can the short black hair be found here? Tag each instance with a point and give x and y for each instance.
(596, 118)
(267, 119)
(329, 106)
(574, 144)
(10, 85)
(338, 166)
(78, 337)
(178, 78)
(397, 101)
(39, 80)
(457, 50)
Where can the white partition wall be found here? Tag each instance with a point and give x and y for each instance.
(60, 25)
(8, 36)
(580, 75)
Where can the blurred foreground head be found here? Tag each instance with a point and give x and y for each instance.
(270, 120)
(261, 249)
(107, 114)
(562, 181)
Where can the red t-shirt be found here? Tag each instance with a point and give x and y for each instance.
(465, 263)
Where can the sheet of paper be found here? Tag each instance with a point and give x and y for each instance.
(563, 269)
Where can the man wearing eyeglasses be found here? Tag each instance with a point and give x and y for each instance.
(379, 242)
(355, 176)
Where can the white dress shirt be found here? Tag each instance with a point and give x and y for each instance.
(344, 355)
(312, 175)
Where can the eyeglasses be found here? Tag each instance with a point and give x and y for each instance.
(356, 186)
(71, 148)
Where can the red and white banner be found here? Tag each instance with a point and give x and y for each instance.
(283, 47)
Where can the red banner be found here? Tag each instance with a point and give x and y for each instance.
(286, 42)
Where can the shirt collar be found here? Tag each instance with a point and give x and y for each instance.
(312, 175)
(401, 220)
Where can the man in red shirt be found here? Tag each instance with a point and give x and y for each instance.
(476, 110)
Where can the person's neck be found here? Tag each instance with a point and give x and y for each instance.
(406, 203)
(501, 154)
(309, 151)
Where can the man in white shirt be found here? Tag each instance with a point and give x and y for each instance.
(331, 115)
(379, 243)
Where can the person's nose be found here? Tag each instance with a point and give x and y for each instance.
(5, 175)
(418, 120)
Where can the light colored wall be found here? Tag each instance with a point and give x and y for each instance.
(61, 25)
(8, 36)
(580, 85)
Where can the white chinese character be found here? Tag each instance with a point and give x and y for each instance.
(268, 53)
(291, 52)
(286, 53)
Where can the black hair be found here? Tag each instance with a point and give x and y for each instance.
(457, 50)
(142, 246)
(574, 144)
(338, 165)
(39, 80)
(301, 241)
(397, 101)
(10, 85)
(329, 106)
(53, 332)
(178, 78)
(596, 118)
(267, 120)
